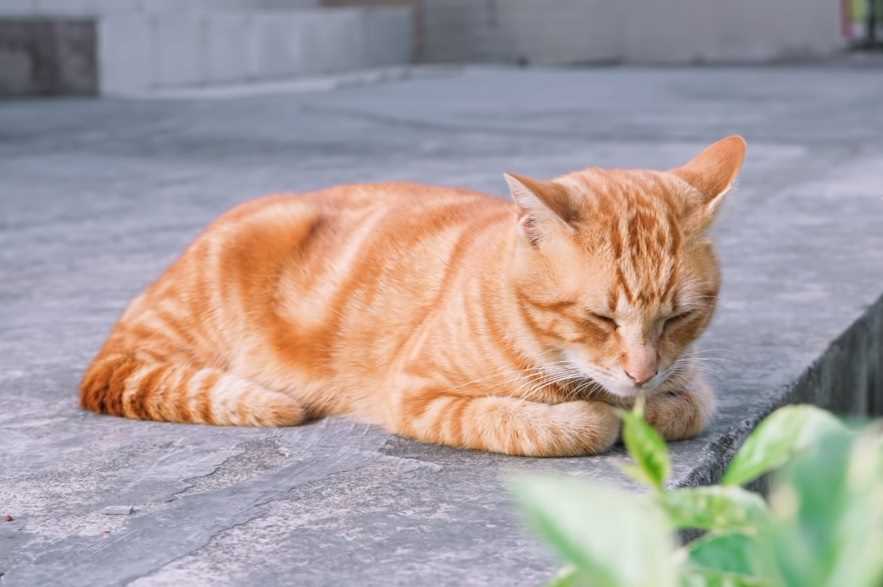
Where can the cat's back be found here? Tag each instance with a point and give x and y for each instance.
(332, 210)
(311, 266)
(393, 197)
(342, 233)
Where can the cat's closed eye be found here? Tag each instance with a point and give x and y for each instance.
(677, 319)
(602, 320)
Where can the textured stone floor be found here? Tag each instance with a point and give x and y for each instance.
(96, 197)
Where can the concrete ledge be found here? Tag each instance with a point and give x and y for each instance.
(97, 196)
(307, 84)
(846, 379)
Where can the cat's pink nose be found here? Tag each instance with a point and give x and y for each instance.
(641, 363)
(641, 376)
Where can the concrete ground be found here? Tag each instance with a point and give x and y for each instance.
(96, 197)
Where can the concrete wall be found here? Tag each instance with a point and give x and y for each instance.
(146, 44)
(101, 7)
(514, 30)
(674, 31)
(678, 31)
(165, 50)
(140, 45)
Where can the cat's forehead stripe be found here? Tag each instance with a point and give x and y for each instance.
(643, 236)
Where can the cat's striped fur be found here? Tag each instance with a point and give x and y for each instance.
(442, 314)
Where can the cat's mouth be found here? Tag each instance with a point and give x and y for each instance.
(592, 380)
(588, 380)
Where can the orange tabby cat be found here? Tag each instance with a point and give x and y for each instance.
(444, 315)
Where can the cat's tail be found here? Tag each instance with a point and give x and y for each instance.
(124, 385)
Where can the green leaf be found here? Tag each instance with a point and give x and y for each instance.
(808, 499)
(569, 576)
(859, 556)
(828, 505)
(783, 433)
(711, 578)
(733, 553)
(714, 508)
(647, 449)
(613, 538)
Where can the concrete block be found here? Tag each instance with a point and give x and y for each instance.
(461, 30)
(750, 31)
(85, 7)
(17, 8)
(178, 49)
(785, 29)
(17, 65)
(47, 56)
(225, 5)
(388, 36)
(283, 4)
(144, 50)
(277, 46)
(228, 47)
(572, 31)
(125, 54)
(332, 40)
(676, 31)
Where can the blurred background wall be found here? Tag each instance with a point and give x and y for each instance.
(132, 46)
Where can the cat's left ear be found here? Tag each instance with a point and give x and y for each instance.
(544, 206)
(712, 172)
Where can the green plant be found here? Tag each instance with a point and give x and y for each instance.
(822, 525)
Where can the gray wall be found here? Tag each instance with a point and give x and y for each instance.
(96, 7)
(731, 30)
(507, 30)
(136, 46)
(673, 31)
(140, 45)
(43, 57)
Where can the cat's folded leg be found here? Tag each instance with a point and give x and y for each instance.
(681, 411)
(505, 424)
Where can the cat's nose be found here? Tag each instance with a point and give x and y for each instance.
(640, 363)
(642, 375)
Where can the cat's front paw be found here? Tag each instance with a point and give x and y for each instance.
(679, 414)
(582, 428)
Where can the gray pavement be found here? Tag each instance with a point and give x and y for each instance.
(96, 197)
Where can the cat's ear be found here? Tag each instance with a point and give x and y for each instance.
(541, 204)
(712, 172)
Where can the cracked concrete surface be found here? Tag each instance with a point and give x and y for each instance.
(97, 196)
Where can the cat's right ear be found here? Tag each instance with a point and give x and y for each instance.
(712, 174)
(542, 205)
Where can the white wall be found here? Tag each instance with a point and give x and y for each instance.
(167, 49)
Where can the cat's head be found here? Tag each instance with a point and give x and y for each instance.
(613, 271)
